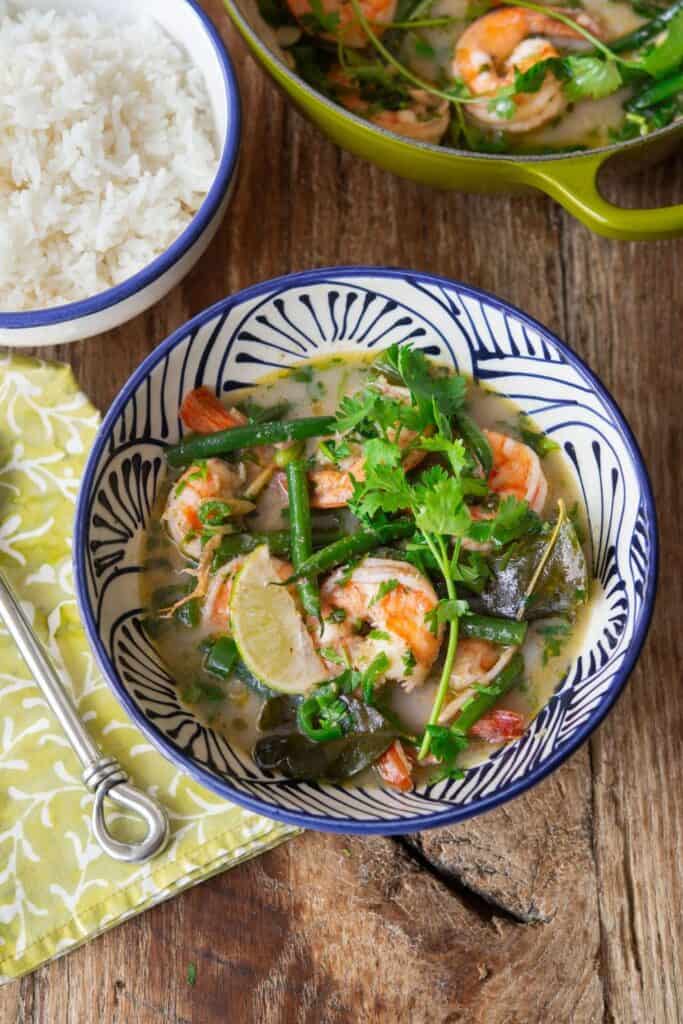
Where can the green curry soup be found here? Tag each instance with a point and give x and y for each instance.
(492, 75)
(366, 566)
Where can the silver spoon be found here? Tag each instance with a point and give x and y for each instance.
(102, 775)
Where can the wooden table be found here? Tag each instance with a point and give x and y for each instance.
(563, 906)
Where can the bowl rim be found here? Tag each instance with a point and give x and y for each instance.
(223, 788)
(73, 311)
(266, 54)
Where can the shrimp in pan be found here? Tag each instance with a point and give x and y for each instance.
(344, 23)
(507, 39)
(384, 604)
(422, 116)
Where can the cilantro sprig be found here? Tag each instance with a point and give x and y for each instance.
(436, 500)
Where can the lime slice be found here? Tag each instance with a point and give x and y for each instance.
(270, 634)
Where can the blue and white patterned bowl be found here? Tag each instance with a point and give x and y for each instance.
(312, 314)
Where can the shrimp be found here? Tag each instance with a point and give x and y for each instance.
(202, 412)
(421, 116)
(508, 39)
(516, 471)
(476, 661)
(332, 487)
(391, 598)
(396, 768)
(499, 726)
(347, 29)
(212, 480)
(216, 606)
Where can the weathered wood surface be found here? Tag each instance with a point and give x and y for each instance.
(563, 906)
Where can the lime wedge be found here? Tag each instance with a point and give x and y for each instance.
(270, 634)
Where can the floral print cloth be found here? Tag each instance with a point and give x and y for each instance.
(57, 889)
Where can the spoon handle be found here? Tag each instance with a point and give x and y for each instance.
(102, 775)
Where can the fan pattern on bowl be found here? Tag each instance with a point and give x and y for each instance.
(267, 329)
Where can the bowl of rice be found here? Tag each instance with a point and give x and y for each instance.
(119, 136)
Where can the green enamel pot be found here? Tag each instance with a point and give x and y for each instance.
(571, 179)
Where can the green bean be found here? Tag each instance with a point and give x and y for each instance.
(644, 33)
(505, 632)
(279, 543)
(300, 528)
(661, 90)
(481, 702)
(475, 439)
(357, 544)
(206, 446)
(283, 456)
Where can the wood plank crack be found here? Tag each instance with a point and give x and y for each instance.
(474, 898)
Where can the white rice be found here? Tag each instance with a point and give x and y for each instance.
(107, 149)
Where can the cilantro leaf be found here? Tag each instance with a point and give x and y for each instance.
(513, 519)
(385, 488)
(446, 744)
(445, 611)
(584, 76)
(353, 409)
(439, 507)
(590, 78)
(453, 450)
(472, 571)
(447, 392)
(533, 77)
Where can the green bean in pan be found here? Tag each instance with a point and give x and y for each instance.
(481, 702)
(644, 33)
(664, 89)
(300, 528)
(357, 544)
(206, 446)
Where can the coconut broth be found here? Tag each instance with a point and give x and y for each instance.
(315, 388)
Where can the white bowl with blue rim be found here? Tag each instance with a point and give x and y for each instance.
(188, 25)
(280, 322)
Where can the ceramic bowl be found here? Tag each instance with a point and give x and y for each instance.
(278, 323)
(186, 23)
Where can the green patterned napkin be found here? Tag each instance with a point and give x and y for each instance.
(56, 888)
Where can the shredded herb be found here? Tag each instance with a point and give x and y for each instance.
(383, 589)
(555, 636)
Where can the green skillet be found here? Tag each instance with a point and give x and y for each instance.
(571, 179)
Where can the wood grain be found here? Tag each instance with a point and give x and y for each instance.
(563, 906)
